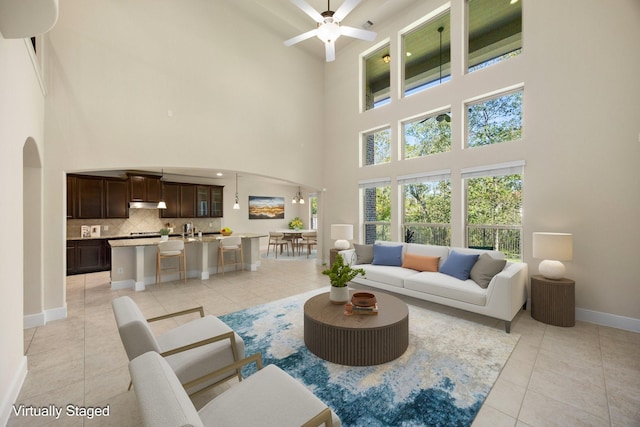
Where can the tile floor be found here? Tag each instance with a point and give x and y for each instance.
(587, 375)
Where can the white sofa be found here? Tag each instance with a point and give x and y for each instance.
(502, 298)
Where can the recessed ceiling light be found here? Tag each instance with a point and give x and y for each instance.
(219, 174)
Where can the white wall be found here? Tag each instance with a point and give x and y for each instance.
(21, 118)
(581, 130)
(194, 84)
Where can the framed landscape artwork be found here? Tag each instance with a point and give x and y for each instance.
(264, 207)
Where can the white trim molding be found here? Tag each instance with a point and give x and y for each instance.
(607, 319)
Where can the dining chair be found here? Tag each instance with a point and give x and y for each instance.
(309, 239)
(193, 349)
(171, 249)
(230, 244)
(277, 240)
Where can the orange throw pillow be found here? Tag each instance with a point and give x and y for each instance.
(421, 262)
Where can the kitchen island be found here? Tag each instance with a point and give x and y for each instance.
(133, 261)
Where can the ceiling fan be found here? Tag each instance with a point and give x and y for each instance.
(329, 28)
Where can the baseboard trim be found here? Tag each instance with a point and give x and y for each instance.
(607, 319)
(55, 313)
(33, 320)
(6, 404)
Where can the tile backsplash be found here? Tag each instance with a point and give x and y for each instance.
(139, 220)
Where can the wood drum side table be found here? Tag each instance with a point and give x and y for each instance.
(553, 301)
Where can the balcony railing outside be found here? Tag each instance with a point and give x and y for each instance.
(428, 234)
(504, 238)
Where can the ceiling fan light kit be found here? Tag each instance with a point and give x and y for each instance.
(328, 26)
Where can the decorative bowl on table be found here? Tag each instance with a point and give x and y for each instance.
(226, 231)
(363, 299)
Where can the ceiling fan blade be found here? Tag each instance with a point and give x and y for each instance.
(345, 8)
(357, 33)
(301, 37)
(306, 8)
(330, 51)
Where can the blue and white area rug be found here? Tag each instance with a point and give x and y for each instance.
(441, 380)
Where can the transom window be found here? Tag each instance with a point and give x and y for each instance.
(376, 147)
(494, 31)
(495, 120)
(428, 135)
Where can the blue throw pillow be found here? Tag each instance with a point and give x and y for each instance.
(458, 265)
(387, 255)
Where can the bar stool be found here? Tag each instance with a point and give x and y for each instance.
(171, 249)
(230, 244)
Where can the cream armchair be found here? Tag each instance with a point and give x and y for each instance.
(269, 398)
(192, 350)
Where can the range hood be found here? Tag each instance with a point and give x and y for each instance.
(143, 205)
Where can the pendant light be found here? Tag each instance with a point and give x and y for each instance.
(161, 203)
(298, 198)
(443, 116)
(236, 205)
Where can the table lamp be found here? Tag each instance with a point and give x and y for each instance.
(552, 248)
(342, 233)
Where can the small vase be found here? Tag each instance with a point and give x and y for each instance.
(164, 238)
(339, 295)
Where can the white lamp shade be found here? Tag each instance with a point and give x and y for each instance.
(342, 233)
(553, 246)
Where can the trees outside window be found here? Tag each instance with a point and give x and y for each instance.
(376, 147)
(427, 136)
(427, 211)
(495, 120)
(494, 212)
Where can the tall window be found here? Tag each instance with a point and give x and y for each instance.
(427, 54)
(427, 208)
(494, 31)
(495, 120)
(376, 147)
(494, 208)
(427, 136)
(376, 203)
(377, 78)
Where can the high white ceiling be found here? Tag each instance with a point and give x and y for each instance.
(287, 20)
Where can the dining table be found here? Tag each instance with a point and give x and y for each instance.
(295, 236)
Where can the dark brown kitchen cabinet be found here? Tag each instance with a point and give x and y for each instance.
(88, 256)
(71, 197)
(216, 201)
(89, 197)
(116, 198)
(171, 195)
(144, 188)
(187, 201)
(71, 257)
(203, 201)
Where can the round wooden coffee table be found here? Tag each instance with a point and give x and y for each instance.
(360, 339)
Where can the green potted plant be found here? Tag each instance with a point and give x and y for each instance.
(164, 234)
(340, 274)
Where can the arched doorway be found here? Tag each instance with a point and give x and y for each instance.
(32, 224)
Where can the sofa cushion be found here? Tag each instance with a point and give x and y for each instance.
(428, 250)
(446, 286)
(387, 255)
(364, 253)
(485, 268)
(393, 276)
(459, 265)
(421, 262)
